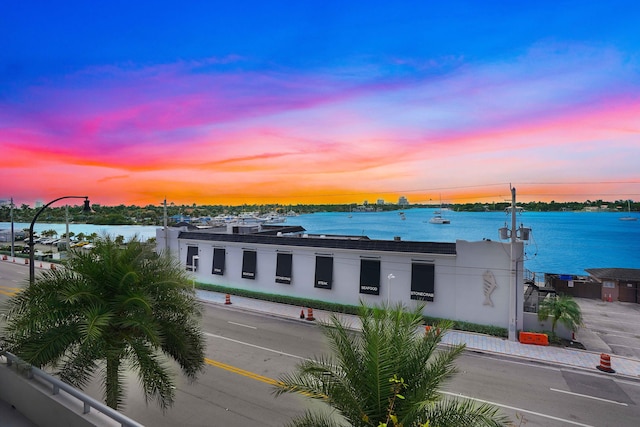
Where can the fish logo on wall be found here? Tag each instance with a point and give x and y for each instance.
(489, 286)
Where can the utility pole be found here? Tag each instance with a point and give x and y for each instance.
(13, 237)
(513, 282)
(66, 222)
(166, 230)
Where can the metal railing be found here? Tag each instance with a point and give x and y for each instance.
(57, 385)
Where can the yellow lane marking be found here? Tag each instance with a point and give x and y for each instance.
(247, 374)
(9, 291)
(241, 372)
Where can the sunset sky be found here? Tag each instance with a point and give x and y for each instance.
(217, 102)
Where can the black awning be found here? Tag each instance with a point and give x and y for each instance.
(218, 261)
(422, 281)
(324, 272)
(370, 277)
(191, 252)
(283, 268)
(249, 265)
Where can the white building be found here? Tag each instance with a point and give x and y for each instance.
(466, 281)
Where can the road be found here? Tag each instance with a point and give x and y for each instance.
(248, 351)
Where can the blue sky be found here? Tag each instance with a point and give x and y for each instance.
(320, 101)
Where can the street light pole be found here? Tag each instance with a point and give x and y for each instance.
(32, 271)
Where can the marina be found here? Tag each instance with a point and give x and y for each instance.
(560, 242)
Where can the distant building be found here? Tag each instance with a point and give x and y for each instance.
(403, 201)
(380, 202)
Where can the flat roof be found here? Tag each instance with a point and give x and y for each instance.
(359, 243)
(632, 274)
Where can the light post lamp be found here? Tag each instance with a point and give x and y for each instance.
(86, 209)
(389, 277)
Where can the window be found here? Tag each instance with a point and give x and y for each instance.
(283, 268)
(192, 258)
(370, 277)
(249, 265)
(218, 261)
(324, 272)
(422, 281)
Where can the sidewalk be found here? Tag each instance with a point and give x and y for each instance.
(476, 342)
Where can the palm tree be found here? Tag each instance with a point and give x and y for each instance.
(563, 309)
(109, 310)
(387, 375)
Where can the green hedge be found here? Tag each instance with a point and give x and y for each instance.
(344, 308)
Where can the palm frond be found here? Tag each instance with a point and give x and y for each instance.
(390, 368)
(310, 419)
(104, 304)
(450, 412)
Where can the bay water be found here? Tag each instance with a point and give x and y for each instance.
(559, 242)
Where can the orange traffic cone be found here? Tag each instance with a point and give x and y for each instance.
(605, 363)
(310, 314)
(26, 261)
(40, 265)
(302, 313)
(227, 299)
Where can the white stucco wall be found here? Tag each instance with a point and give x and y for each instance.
(459, 282)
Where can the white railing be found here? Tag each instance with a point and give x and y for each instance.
(57, 385)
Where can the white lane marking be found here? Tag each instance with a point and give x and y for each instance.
(588, 397)
(575, 423)
(514, 362)
(441, 391)
(244, 326)
(255, 346)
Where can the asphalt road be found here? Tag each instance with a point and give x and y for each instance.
(616, 323)
(247, 352)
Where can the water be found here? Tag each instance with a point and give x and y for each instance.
(560, 242)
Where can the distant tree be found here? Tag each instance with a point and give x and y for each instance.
(112, 309)
(563, 309)
(49, 233)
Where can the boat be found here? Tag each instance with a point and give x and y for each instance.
(628, 218)
(402, 216)
(437, 217)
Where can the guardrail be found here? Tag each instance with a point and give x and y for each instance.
(57, 385)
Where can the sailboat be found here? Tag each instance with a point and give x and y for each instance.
(628, 218)
(437, 217)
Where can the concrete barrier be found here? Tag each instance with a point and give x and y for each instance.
(534, 338)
